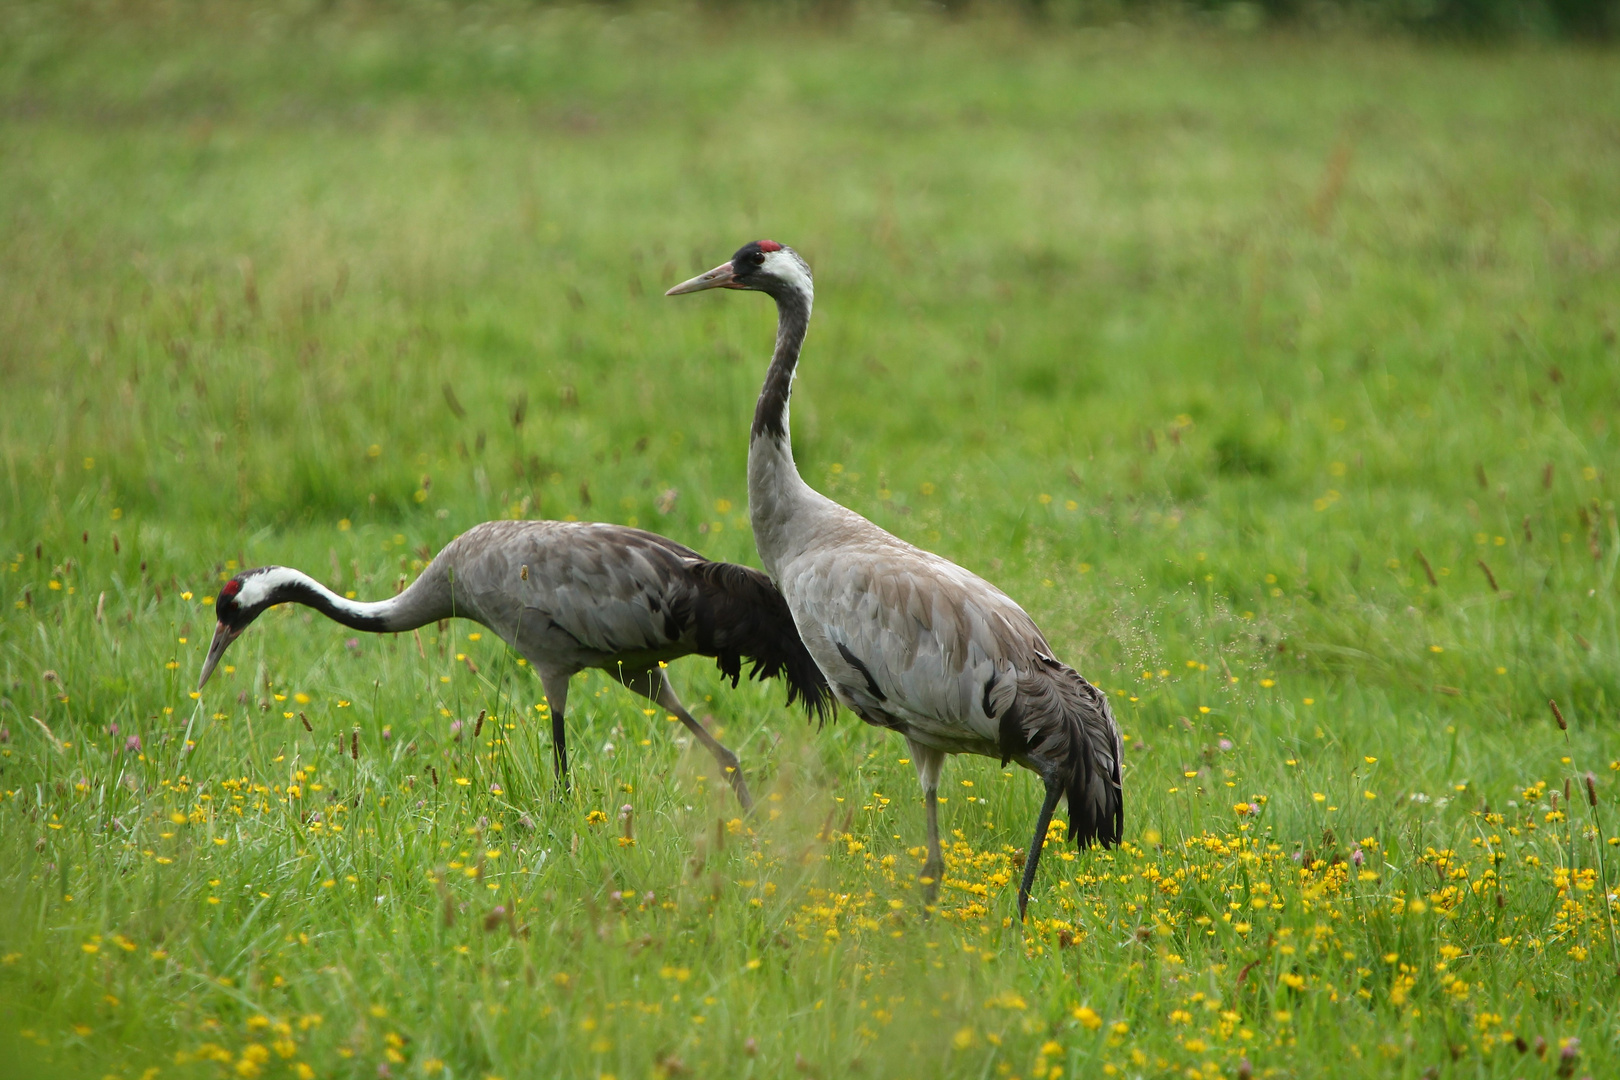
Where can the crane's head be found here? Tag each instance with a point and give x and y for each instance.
(762, 266)
(241, 600)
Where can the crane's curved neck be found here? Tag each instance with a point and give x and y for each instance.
(774, 483)
(792, 324)
(428, 599)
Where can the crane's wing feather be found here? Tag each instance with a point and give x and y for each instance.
(588, 592)
(915, 642)
(609, 588)
(913, 635)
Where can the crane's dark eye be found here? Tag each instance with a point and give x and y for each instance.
(758, 258)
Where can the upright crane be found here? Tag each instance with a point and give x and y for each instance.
(910, 641)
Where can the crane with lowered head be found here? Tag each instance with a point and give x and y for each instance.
(568, 596)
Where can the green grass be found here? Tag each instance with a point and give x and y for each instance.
(1189, 342)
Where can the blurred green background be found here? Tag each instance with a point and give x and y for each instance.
(1267, 355)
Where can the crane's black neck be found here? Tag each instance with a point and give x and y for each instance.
(792, 324)
(427, 600)
(356, 616)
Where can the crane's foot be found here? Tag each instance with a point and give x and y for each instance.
(1054, 791)
(933, 872)
(739, 785)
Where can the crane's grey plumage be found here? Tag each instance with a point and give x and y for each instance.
(908, 640)
(569, 596)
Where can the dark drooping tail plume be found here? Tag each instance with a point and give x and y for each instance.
(1060, 725)
(738, 615)
(1062, 719)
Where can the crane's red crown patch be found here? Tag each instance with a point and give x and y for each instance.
(232, 587)
(769, 245)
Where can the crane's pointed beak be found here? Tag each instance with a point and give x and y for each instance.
(223, 636)
(721, 277)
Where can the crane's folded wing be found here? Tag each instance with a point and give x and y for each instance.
(914, 635)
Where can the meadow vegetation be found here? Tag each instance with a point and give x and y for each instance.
(1276, 377)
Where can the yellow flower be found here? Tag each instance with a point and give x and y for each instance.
(1088, 1017)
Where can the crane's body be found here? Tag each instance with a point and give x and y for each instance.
(910, 641)
(569, 596)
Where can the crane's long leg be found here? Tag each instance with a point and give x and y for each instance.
(1054, 791)
(556, 687)
(928, 762)
(654, 685)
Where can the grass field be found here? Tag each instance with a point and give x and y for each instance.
(1277, 378)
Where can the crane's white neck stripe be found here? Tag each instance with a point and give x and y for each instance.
(786, 265)
(261, 588)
